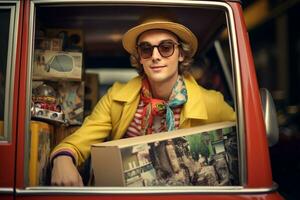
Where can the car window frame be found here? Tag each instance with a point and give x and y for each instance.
(10, 69)
(237, 99)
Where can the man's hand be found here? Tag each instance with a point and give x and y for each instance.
(65, 173)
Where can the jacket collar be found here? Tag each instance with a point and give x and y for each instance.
(130, 90)
(194, 108)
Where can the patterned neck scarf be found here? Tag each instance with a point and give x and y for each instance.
(158, 107)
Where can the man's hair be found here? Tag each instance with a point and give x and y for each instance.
(183, 67)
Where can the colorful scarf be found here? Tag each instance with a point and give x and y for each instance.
(158, 107)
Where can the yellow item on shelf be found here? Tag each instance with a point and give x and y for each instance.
(40, 147)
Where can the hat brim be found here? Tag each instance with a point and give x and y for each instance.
(184, 34)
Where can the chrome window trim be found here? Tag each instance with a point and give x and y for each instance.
(225, 190)
(4, 190)
(28, 93)
(10, 1)
(10, 68)
(237, 92)
(237, 87)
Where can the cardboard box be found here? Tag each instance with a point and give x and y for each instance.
(52, 44)
(71, 95)
(72, 38)
(202, 156)
(51, 65)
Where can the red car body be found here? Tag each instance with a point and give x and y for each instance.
(258, 183)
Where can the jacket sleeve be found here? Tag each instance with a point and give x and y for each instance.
(217, 108)
(222, 110)
(226, 112)
(95, 128)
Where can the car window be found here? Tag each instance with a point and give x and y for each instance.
(6, 69)
(76, 58)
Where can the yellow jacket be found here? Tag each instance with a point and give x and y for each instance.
(114, 112)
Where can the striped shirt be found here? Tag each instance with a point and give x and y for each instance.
(159, 122)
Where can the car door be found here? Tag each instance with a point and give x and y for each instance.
(10, 16)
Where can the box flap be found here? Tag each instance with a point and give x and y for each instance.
(163, 136)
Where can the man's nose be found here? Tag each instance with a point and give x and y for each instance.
(155, 53)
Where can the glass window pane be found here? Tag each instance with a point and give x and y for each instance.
(215, 162)
(4, 38)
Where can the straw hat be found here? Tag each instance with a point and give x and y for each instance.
(163, 23)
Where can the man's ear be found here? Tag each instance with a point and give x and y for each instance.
(181, 56)
(138, 58)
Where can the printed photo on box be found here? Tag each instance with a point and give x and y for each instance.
(199, 156)
(206, 159)
(49, 65)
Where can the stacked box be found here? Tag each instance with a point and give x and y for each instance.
(72, 38)
(51, 65)
(52, 44)
(71, 95)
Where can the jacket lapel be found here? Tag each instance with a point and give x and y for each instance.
(129, 91)
(129, 96)
(194, 108)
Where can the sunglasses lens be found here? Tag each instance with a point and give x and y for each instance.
(145, 51)
(166, 49)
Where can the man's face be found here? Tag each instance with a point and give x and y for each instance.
(160, 68)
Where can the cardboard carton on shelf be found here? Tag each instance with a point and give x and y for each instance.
(71, 96)
(52, 44)
(51, 65)
(72, 38)
(203, 156)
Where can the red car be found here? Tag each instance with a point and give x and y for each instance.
(223, 62)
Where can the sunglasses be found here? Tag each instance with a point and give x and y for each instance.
(165, 48)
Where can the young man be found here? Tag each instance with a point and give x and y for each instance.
(163, 98)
